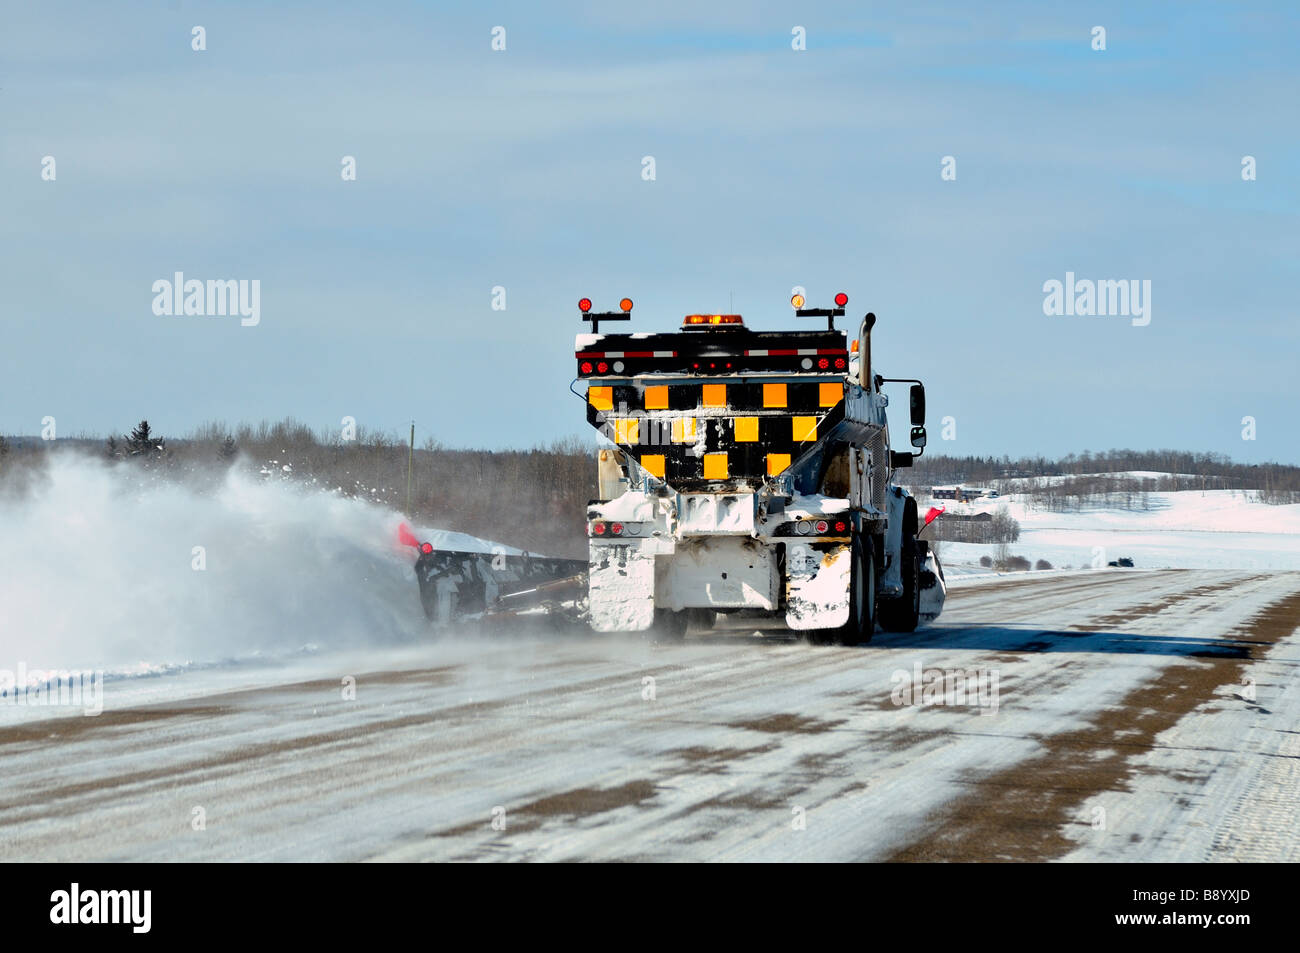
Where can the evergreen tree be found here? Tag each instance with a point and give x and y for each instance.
(142, 441)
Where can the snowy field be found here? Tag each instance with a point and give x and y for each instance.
(1189, 529)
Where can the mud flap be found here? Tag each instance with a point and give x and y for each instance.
(817, 593)
(934, 589)
(891, 579)
(621, 589)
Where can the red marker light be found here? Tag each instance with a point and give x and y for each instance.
(598, 529)
(626, 304)
(821, 526)
(426, 548)
(616, 529)
(602, 367)
(839, 526)
(584, 305)
(823, 363)
(841, 299)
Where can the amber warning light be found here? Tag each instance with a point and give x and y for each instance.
(708, 320)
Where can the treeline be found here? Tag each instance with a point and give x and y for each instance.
(534, 499)
(1275, 482)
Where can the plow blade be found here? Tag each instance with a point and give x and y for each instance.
(457, 586)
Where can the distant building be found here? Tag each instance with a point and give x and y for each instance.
(962, 494)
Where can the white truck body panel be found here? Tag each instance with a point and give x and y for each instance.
(719, 572)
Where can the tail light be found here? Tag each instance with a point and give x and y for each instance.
(810, 527)
(426, 548)
(608, 529)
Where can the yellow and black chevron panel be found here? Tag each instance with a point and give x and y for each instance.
(695, 432)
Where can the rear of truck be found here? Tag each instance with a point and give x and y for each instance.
(748, 472)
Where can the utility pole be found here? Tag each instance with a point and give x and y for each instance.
(410, 458)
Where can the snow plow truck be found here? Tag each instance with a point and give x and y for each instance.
(742, 472)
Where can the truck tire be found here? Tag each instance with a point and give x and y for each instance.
(903, 613)
(669, 626)
(701, 618)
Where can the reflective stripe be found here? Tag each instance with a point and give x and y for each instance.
(614, 354)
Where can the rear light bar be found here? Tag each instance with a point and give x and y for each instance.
(785, 360)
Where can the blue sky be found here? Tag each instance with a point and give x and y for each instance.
(774, 168)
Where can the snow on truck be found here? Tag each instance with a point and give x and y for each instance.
(744, 472)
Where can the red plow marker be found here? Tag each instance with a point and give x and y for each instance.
(407, 538)
(932, 514)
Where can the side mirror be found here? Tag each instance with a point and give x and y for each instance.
(918, 406)
(918, 437)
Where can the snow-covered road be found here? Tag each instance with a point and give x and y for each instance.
(1118, 715)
